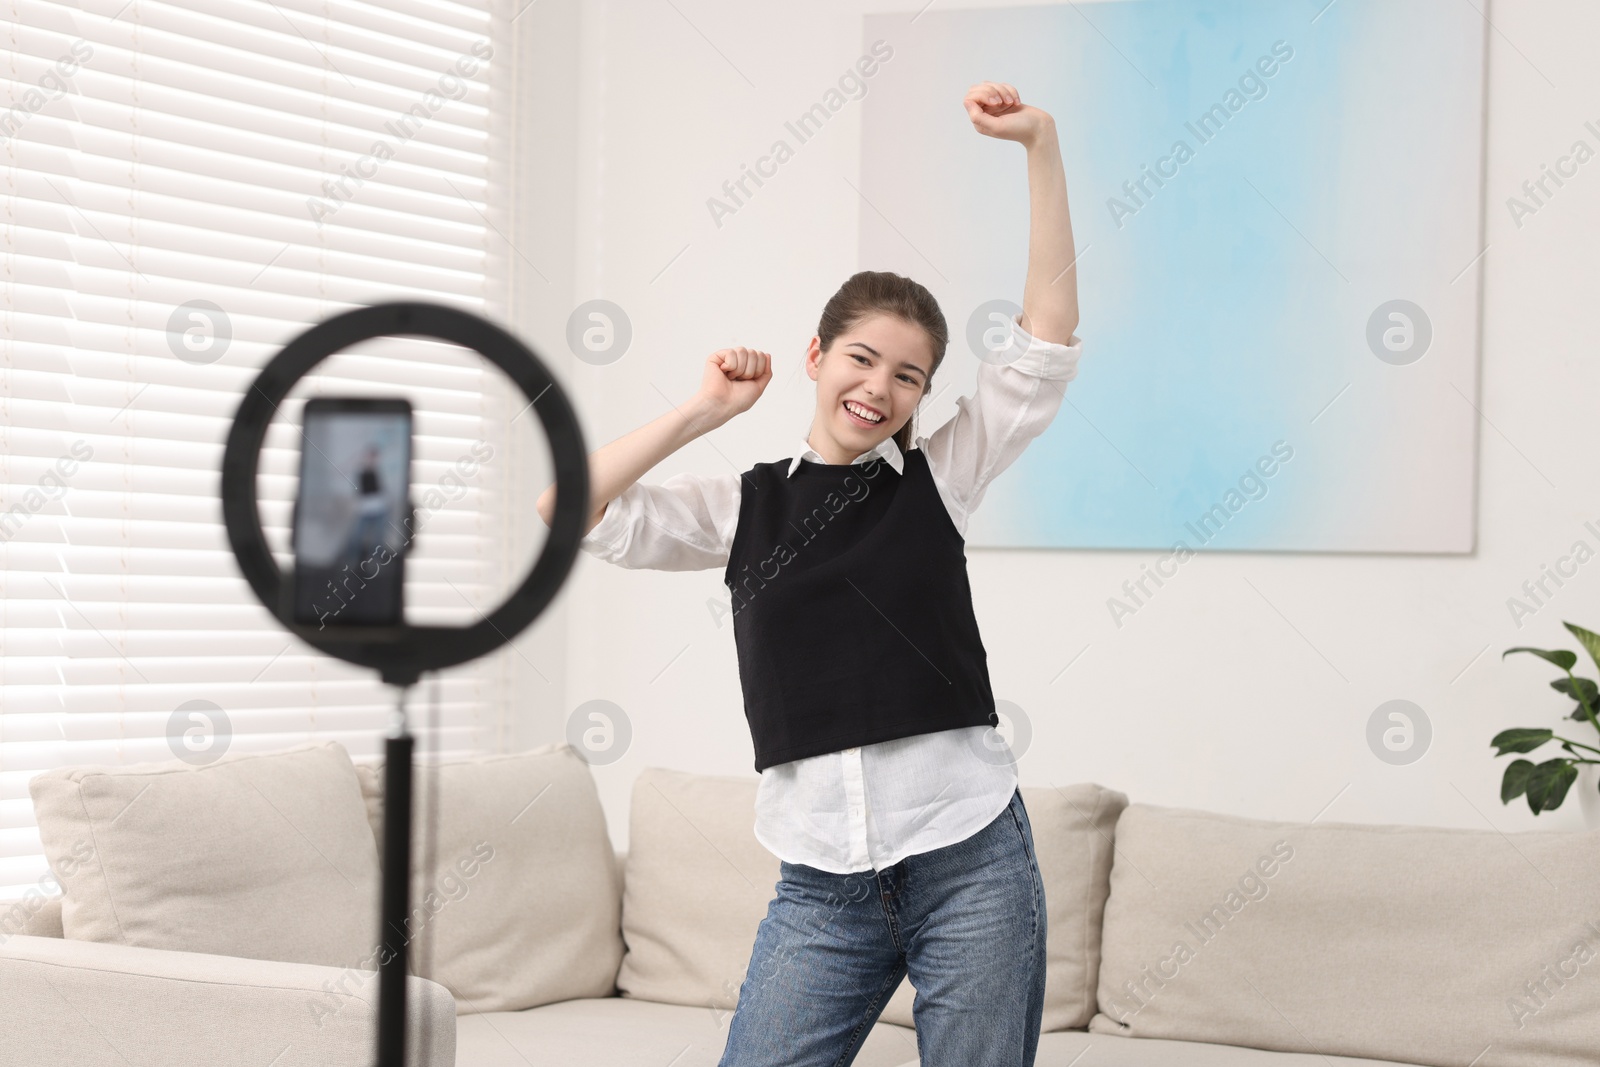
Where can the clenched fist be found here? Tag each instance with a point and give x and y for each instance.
(996, 110)
(734, 379)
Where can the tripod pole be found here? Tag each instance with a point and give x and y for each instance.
(396, 889)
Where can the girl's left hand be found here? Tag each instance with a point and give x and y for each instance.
(997, 110)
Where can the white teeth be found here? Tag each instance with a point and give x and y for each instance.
(863, 412)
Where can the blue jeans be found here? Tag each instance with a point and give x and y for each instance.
(966, 922)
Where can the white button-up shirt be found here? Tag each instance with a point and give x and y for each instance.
(867, 808)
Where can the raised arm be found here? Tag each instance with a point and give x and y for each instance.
(1050, 295)
(732, 380)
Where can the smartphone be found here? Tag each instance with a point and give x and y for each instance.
(351, 520)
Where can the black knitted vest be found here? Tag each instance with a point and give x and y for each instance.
(852, 614)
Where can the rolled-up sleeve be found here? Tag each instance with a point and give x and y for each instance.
(685, 523)
(1018, 392)
(1030, 356)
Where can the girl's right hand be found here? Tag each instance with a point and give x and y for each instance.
(734, 379)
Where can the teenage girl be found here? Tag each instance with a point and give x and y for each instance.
(890, 802)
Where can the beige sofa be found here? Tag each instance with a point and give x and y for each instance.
(218, 916)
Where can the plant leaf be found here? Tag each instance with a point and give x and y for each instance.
(1589, 690)
(1548, 784)
(1520, 739)
(1588, 639)
(1561, 657)
(1515, 782)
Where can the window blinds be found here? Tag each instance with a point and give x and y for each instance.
(186, 185)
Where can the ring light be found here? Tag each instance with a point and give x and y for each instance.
(402, 653)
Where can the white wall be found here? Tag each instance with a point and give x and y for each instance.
(533, 249)
(1246, 684)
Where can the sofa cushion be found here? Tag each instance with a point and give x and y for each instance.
(1075, 1048)
(36, 914)
(1422, 945)
(267, 856)
(698, 884)
(524, 903)
(369, 772)
(89, 1004)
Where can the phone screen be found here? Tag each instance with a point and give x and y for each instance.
(351, 512)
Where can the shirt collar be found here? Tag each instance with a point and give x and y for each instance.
(885, 449)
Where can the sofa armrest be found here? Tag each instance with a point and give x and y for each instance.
(103, 1005)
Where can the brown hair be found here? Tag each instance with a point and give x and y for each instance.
(871, 292)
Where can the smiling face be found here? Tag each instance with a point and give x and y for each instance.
(883, 364)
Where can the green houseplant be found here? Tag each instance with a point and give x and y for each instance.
(1546, 784)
